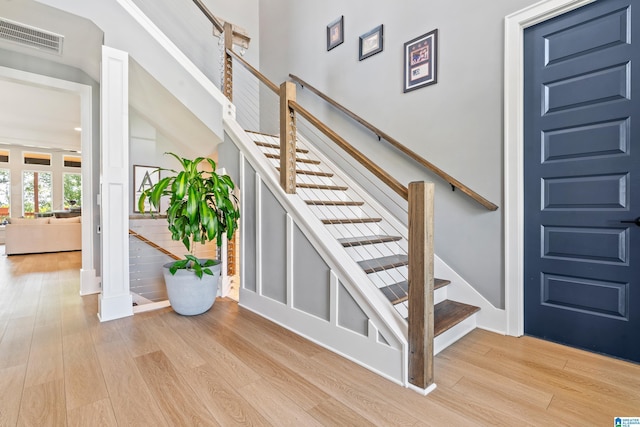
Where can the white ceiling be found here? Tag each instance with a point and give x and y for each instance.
(38, 116)
(45, 117)
(41, 116)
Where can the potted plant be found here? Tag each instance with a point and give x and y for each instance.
(201, 208)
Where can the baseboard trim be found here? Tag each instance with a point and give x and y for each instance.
(142, 308)
(422, 391)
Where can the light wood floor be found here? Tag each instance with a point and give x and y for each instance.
(59, 366)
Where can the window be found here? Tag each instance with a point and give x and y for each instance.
(4, 156)
(72, 189)
(5, 193)
(37, 159)
(72, 161)
(37, 197)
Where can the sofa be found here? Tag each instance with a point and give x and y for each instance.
(28, 236)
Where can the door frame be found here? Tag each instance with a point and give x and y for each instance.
(89, 282)
(515, 24)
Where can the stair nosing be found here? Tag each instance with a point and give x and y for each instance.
(332, 221)
(383, 264)
(469, 310)
(367, 240)
(322, 187)
(333, 203)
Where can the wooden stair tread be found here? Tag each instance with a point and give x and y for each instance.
(276, 146)
(322, 187)
(399, 292)
(298, 159)
(440, 283)
(312, 173)
(329, 221)
(333, 203)
(383, 263)
(367, 240)
(449, 313)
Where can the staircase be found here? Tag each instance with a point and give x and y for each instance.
(378, 248)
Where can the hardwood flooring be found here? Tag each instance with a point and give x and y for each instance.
(59, 366)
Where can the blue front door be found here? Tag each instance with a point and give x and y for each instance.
(582, 179)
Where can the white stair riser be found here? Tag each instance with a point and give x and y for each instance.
(439, 295)
(388, 277)
(360, 253)
(449, 337)
(311, 179)
(324, 195)
(402, 309)
(265, 138)
(353, 230)
(328, 211)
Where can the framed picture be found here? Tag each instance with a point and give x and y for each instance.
(371, 43)
(335, 33)
(144, 177)
(421, 61)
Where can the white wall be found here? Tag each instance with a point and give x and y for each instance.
(192, 33)
(244, 13)
(456, 124)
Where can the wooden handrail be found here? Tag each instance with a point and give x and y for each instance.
(255, 72)
(361, 158)
(216, 23)
(351, 150)
(413, 155)
(237, 36)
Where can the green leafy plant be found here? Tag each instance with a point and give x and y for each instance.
(201, 208)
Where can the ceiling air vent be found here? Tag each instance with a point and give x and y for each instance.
(30, 36)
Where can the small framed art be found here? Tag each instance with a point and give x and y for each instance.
(371, 43)
(421, 61)
(144, 177)
(335, 33)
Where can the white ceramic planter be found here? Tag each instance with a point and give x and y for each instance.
(188, 294)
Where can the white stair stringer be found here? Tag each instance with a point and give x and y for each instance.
(384, 348)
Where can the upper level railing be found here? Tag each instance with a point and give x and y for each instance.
(411, 154)
(215, 21)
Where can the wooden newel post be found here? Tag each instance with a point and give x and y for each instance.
(287, 138)
(421, 284)
(227, 74)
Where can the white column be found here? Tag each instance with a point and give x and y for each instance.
(115, 300)
(89, 283)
